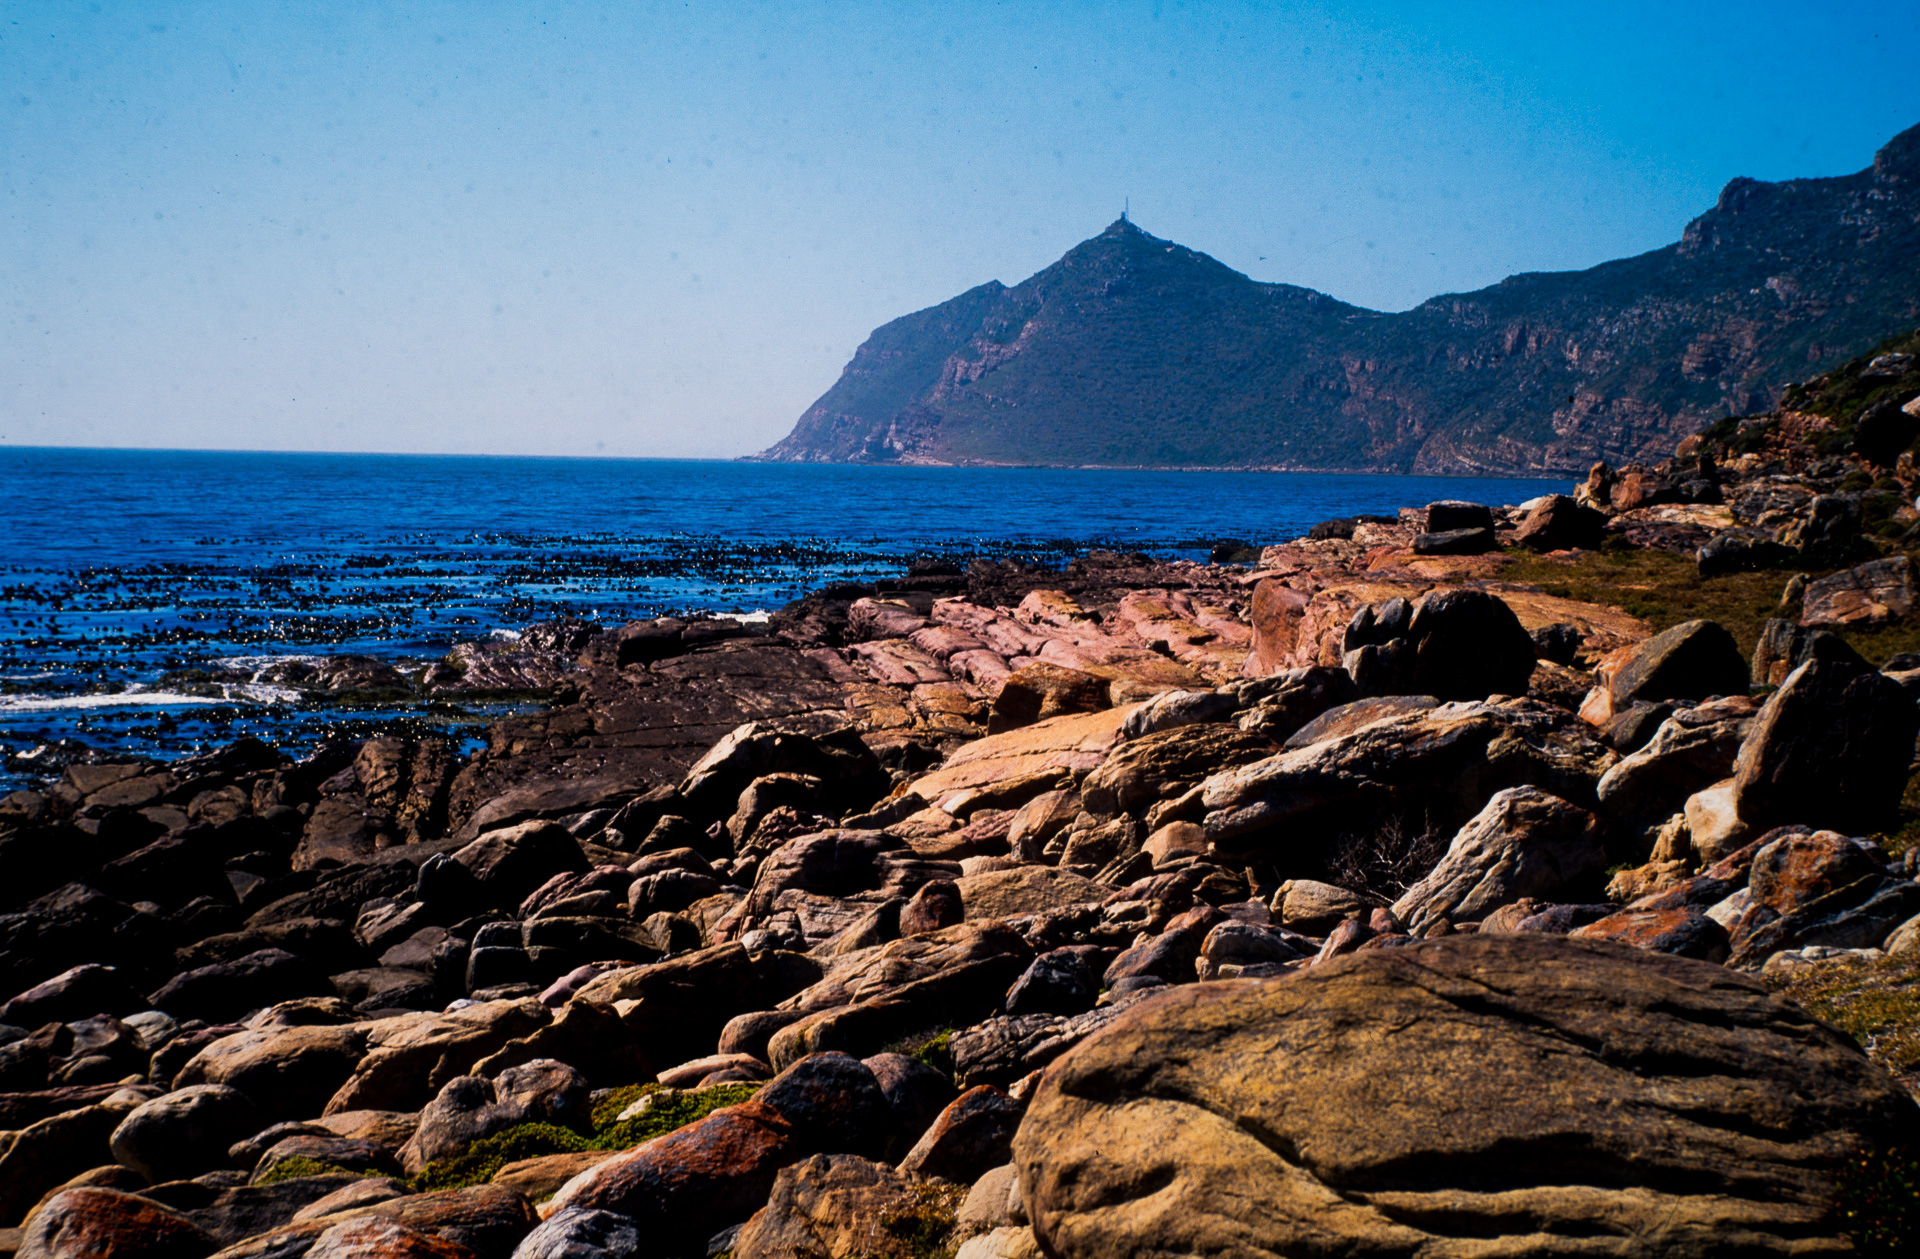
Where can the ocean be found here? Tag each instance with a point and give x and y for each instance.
(149, 599)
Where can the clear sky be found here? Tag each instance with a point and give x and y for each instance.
(661, 229)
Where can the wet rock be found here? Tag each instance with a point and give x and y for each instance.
(1829, 749)
(1524, 843)
(1644, 1080)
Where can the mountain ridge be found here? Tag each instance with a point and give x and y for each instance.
(1135, 351)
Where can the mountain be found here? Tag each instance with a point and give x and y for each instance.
(1135, 351)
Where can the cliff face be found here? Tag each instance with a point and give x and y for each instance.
(1133, 350)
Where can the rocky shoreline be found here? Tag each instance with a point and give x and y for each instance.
(1369, 900)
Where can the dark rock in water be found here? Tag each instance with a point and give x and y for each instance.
(1694, 1110)
(1829, 749)
(1454, 542)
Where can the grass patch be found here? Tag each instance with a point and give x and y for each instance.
(297, 1167)
(1664, 589)
(1880, 1200)
(483, 1159)
(1875, 1002)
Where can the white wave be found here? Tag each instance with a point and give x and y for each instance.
(123, 699)
(505, 635)
(257, 663)
(41, 676)
(758, 616)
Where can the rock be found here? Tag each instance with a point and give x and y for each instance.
(1524, 843)
(98, 1223)
(1458, 644)
(1039, 820)
(1344, 719)
(973, 1134)
(183, 1133)
(933, 906)
(834, 1206)
(1874, 593)
(849, 776)
(469, 1108)
(1693, 660)
(1652, 1105)
(411, 1057)
(226, 991)
(289, 1072)
(1797, 869)
(1454, 542)
(1169, 956)
(1450, 515)
(1039, 690)
(1162, 765)
(1174, 841)
(1784, 646)
(915, 1093)
(1317, 908)
(1439, 765)
(345, 1153)
(1829, 749)
(682, 1187)
(583, 1234)
(78, 993)
(1278, 706)
(49, 1151)
(1232, 949)
(1558, 523)
(1058, 982)
(1689, 752)
(1178, 708)
(1026, 890)
(1682, 932)
(510, 864)
(363, 1192)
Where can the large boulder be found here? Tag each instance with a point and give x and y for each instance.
(469, 1108)
(508, 865)
(834, 1206)
(183, 1133)
(1524, 843)
(1871, 594)
(1829, 749)
(1501, 1095)
(1164, 764)
(1691, 661)
(289, 1072)
(90, 1223)
(1457, 644)
(1557, 523)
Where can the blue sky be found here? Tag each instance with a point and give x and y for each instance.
(662, 229)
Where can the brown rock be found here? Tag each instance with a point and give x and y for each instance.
(1027, 890)
(1682, 932)
(1829, 749)
(1037, 691)
(1645, 1104)
(1524, 843)
(974, 1133)
(1872, 594)
(833, 1206)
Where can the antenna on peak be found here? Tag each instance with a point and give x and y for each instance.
(1126, 203)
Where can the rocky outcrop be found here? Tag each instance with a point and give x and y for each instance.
(1662, 1104)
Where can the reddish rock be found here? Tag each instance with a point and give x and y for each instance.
(1872, 594)
(105, 1224)
(1684, 932)
(971, 1135)
(1797, 869)
(933, 906)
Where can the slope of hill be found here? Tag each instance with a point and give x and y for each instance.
(1134, 351)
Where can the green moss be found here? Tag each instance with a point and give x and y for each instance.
(671, 1109)
(926, 1226)
(297, 1167)
(933, 1047)
(480, 1161)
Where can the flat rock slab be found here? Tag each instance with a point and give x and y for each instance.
(1513, 1095)
(1079, 741)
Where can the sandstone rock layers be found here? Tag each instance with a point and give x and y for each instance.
(1479, 1096)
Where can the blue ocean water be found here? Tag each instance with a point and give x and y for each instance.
(121, 572)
